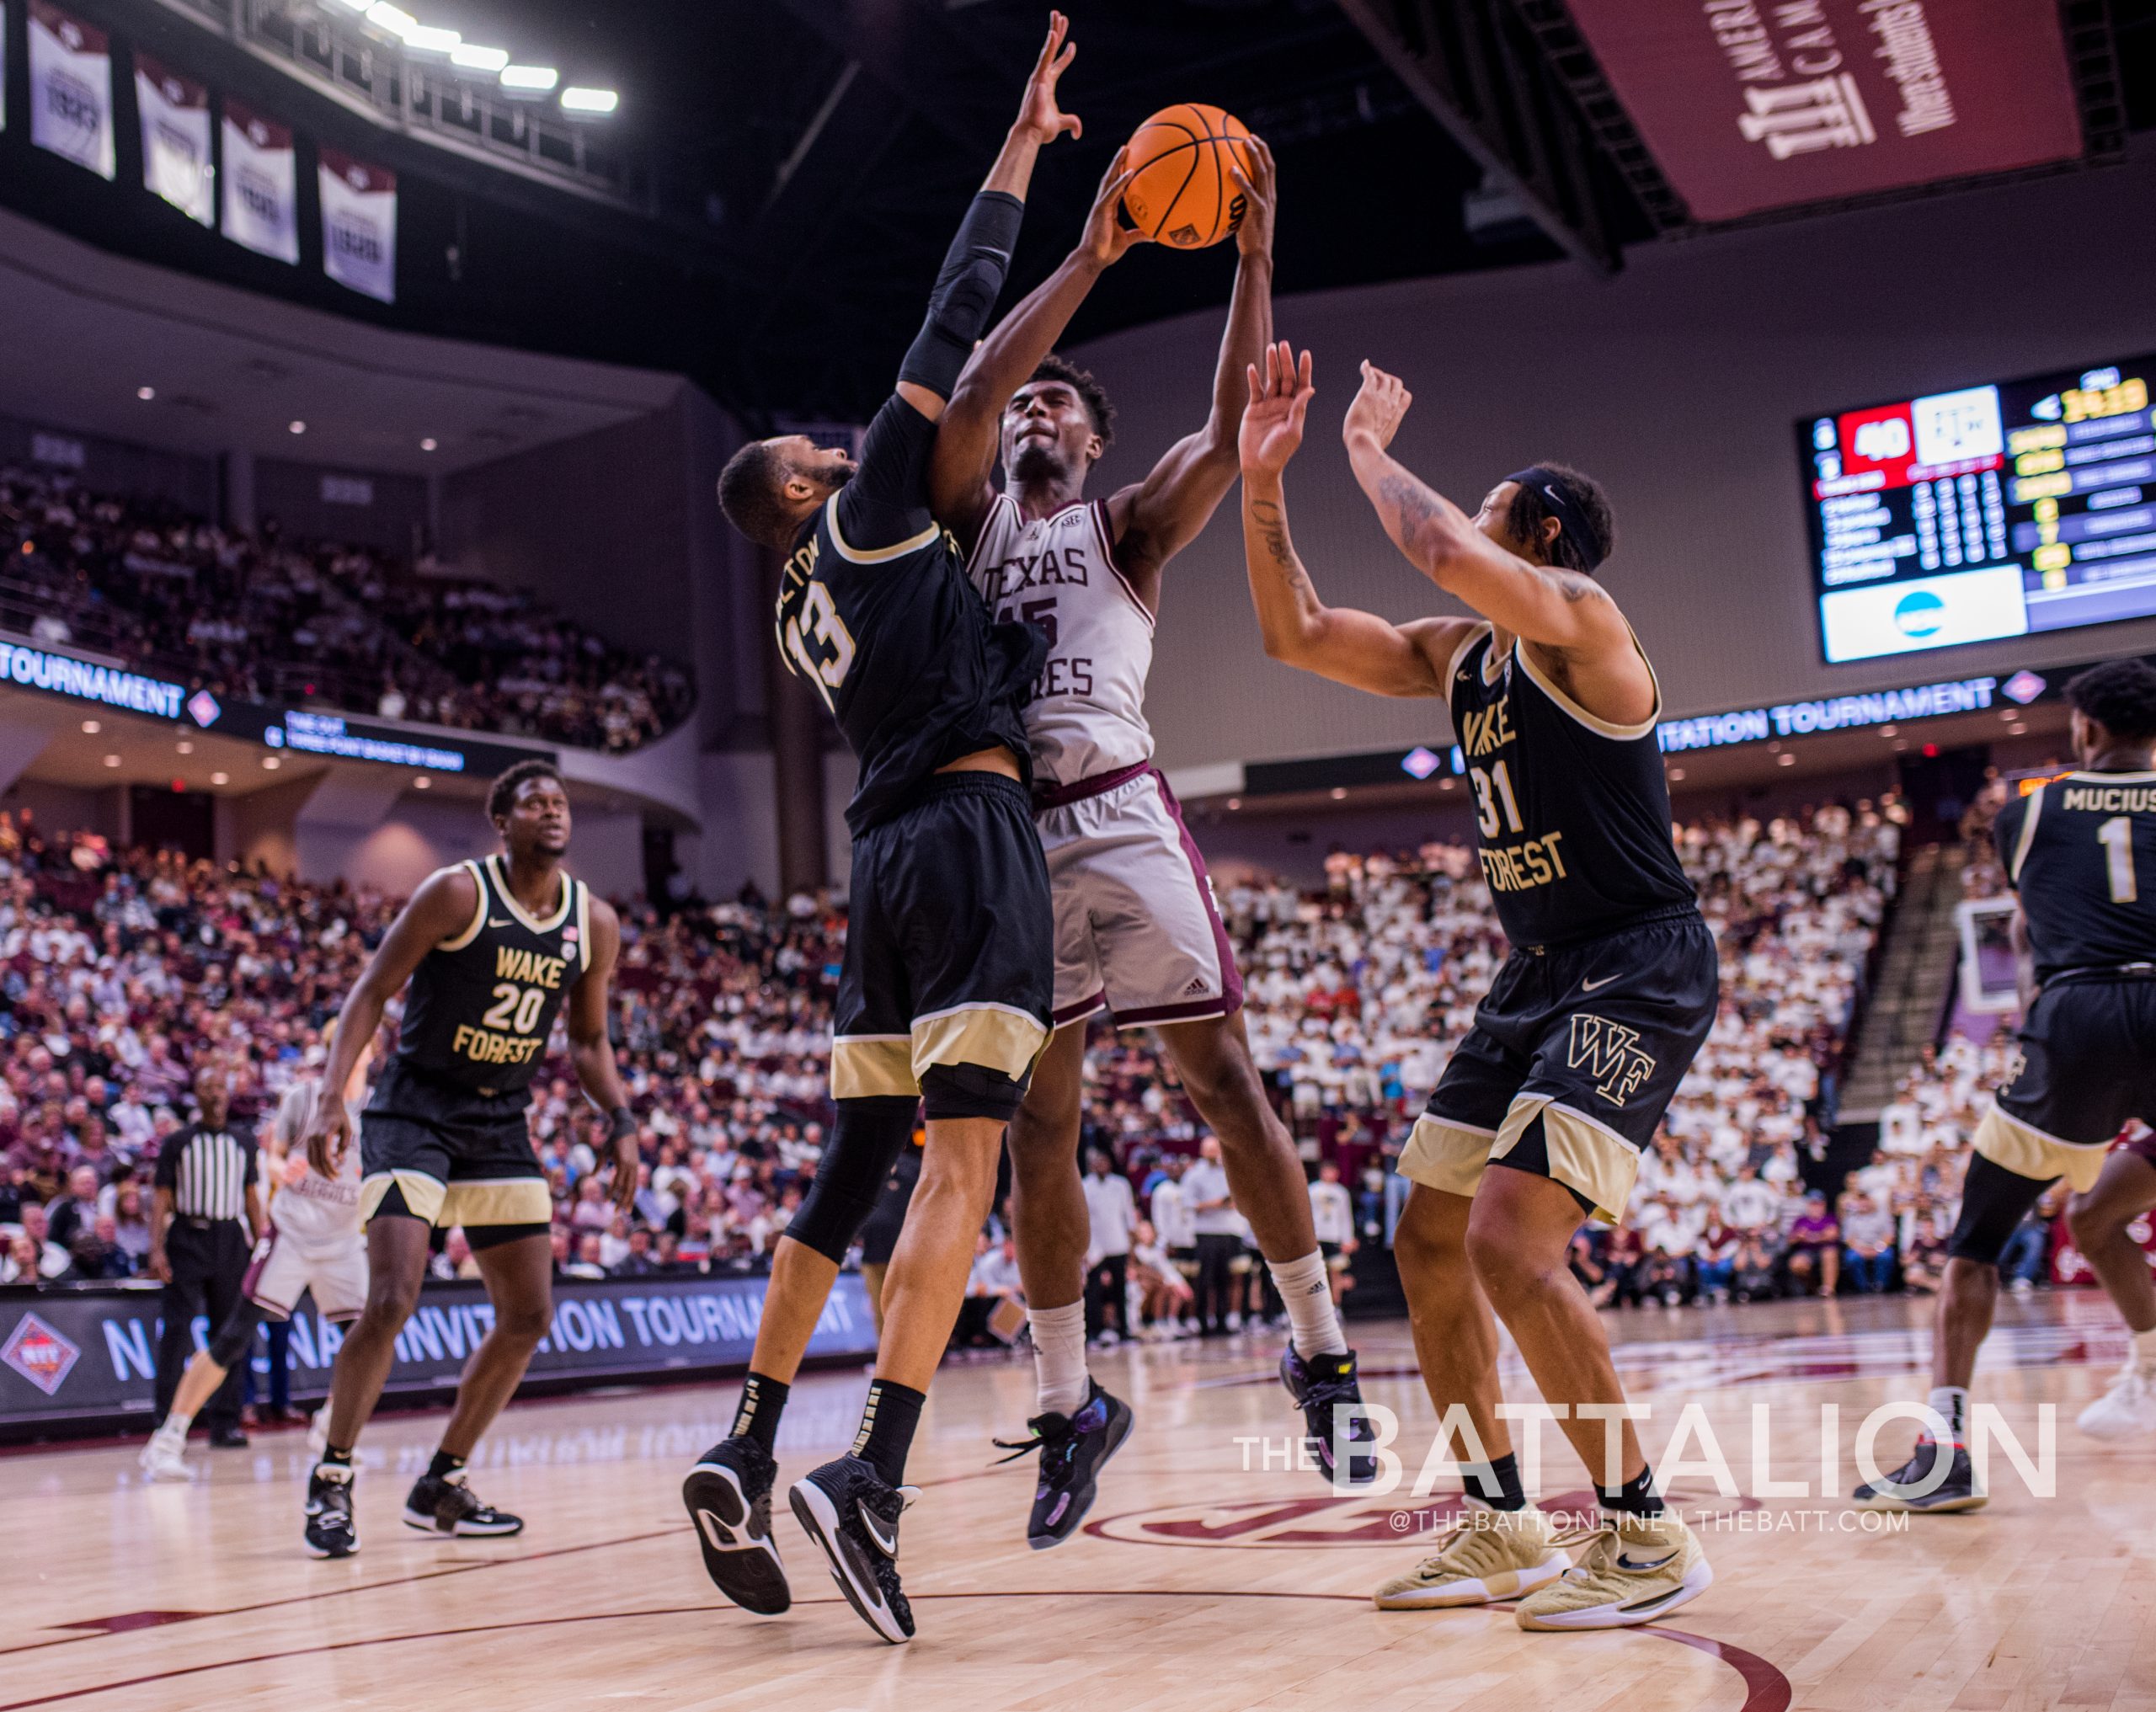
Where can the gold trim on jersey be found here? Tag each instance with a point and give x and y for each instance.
(499, 870)
(1000, 1036)
(478, 913)
(584, 927)
(1446, 1155)
(423, 1194)
(1475, 632)
(1601, 727)
(2027, 1151)
(872, 1066)
(876, 555)
(2028, 834)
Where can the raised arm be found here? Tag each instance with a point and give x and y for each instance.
(971, 430)
(1157, 518)
(1556, 608)
(1359, 649)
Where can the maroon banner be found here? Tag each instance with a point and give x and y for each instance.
(1753, 105)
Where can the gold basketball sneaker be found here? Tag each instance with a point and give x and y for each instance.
(1634, 1569)
(1487, 1555)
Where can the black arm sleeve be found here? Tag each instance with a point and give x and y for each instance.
(965, 294)
(886, 500)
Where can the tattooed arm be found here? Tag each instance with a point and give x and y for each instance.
(1359, 649)
(1561, 610)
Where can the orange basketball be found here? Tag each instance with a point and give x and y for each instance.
(1183, 195)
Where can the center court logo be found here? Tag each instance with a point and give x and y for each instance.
(1920, 615)
(1610, 1052)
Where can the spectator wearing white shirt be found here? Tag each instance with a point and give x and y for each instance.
(1113, 1211)
(1749, 1205)
(1332, 1211)
(1219, 1239)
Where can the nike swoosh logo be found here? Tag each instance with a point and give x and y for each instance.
(1626, 1563)
(886, 1543)
(1589, 986)
(496, 921)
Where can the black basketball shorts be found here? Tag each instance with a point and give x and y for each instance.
(1574, 1056)
(454, 1156)
(2088, 1065)
(950, 953)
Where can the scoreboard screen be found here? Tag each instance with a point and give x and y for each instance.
(1986, 512)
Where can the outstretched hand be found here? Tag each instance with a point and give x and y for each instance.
(1280, 396)
(1106, 239)
(1038, 116)
(1379, 408)
(1254, 234)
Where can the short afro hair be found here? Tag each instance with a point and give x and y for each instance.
(501, 795)
(750, 493)
(2121, 696)
(1090, 390)
(1529, 510)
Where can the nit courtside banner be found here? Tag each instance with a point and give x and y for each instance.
(359, 225)
(71, 88)
(1753, 105)
(262, 185)
(176, 163)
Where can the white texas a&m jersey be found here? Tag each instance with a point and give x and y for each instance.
(314, 1208)
(1088, 713)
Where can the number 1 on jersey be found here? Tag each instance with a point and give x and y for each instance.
(2116, 836)
(1485, 803)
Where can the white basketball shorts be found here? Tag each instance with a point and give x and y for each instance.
(282, 1270)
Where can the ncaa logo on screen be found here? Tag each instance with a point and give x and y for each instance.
(1920, 615)
(39, 1353)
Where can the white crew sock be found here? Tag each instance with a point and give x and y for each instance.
(2144, 1350)
(1952, 1403)
(177, 1424)
(1307, 1293)
(1060, 1357)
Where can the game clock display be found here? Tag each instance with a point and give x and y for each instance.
(1987, 512)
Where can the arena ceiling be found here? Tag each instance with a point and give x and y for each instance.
(806, 160)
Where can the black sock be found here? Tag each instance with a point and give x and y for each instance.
(1636, 1497)
(1496, 1483)
(444, 1464)
(763, 1400)
(341, 1456)
(886, 1425)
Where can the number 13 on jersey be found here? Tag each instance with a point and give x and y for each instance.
(820, 620)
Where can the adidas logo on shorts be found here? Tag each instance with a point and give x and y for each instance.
(1196, 989)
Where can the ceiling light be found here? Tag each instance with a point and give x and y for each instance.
(1234, 802)
(537, 79)
(221, 778)
(296, 427)
(91, 727)
(1339, 792)
(185, 747)
(1677, 772)
(146, 393)
(393, 18)
(575, 101)
(355, 5)
(1785, 760)
(478, 59)
(429, 444)
(426, 39)
(421, 782)
(270, 764)
(112, 761)
(1889, 730)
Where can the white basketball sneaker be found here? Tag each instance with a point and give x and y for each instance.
(2126, 1409)
(164, 1457)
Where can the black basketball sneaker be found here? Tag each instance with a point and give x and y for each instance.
(1956, 1492)
(1074, 1449)
(853, 1515)
(329, 1529)
(729, 1496)
(1321, 1385)
(446, 1504)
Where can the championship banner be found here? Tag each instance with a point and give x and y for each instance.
(359, 225)
(90, 1354)
(262, 185)
(1752, 105)
(71, 88)
(176, 163)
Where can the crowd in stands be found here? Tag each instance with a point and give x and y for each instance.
(258, 618)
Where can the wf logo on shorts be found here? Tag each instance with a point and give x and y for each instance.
(1610, 1052)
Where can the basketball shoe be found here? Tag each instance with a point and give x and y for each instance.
(1636, 1569)
(446, 1504)
(1957, 1492)
(2126, 1411)
(164, 1457)
(330, 1532)
(729, 1496)
(1487, 1555)
(1074, 1449)
(1321, 1385)
(853, 1515)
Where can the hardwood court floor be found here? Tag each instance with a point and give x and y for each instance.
(1197, 1584)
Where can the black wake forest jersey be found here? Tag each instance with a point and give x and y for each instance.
(2081, 851)
(481, 1005)
(1571, 812)
(875, 609)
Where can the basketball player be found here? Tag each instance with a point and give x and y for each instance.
(944, 997)
(1542, 1113)
(314, 1244)
(2080, 853)
(492, 949)
(1136, 931)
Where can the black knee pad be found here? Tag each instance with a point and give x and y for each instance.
(866, 1142)
(970, 1090)
(1994, 1201)
(229, 1348)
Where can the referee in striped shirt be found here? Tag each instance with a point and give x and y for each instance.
(207, 1216)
